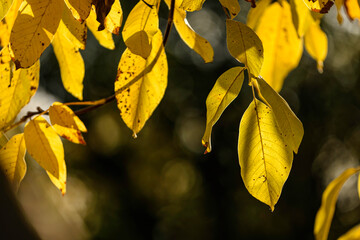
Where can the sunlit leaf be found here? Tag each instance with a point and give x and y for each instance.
(289, 125)
(45, 146)
(199, 44)
(301, 16)
(104, 37)
(316, 44)
(4, 7)
(141, 24)
(72, 67)
(352, 234)
(352, 9)
(16, 87)
(80, 9)
(339, 4)
(280, 40)
(12, 160)
(328, 203)
(113, 20)
(140, 84)
(34, 29)
(265, 159)
(319, 6)
(7, 23)
(244, 45)
(255, 13)
(76, 31)
(66, 123)
(192, 5)
(232, 5)
(225, 90)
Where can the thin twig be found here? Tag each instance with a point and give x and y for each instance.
(170, 22)
(226, 13)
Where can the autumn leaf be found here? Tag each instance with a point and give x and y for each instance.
(328, 203)
(34, 29)
(66, 123)
(352, 9)
(104, 37)
(12, 160)
(192, 5)
(225, 90)
(113, 20)
(232, 5)
(319, 6)
(102, 9)
(45, 146)
(199, 44)
(301, 16)
(352, 234)
(140, 84)
(75, 31)
(265, 159)
(3, 139)
(244, 45)
(80, 9)
(256, 13)
(4, 7)
(7, 23)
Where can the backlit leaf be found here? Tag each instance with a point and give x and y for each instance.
(352, 9)
(140, 84)
(339, 4)
(7, 23)
(4, 7)
(72, 67)
(80, 9)
(45, 146)
(113, 20)
(316, 44)
(192, 5)
(225, 90)
(232, 5)
(34, 29)
(319, 6)
(280, 40)
(289, 125)
(199, 44)
(66, 123)
(12, 160)
(352, 234)
(76, 30)
(255, 13)
(301, 16)
(16, 87)
(244, 45)
(328, 203)
(265, 159)
(104, 37)
(141, 24)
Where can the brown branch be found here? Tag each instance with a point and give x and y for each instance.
(226, 13)
(170, 22)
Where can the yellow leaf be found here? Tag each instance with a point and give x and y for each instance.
(316, 44)
(256, 13)
(45, 146)
(80, 9)
(192, 5)
(4, 7)
(140, 84)
(16, 87)
(328, 203)
(352, 9)
(104, 37)
(339, 4)
(319, 6)
(7, 23)
(66, 123)
(265, 159)
(34, 29)
(352, 234)
(140, 26)
(280, 40)
(12, 160)
(290, 126)
(199, 44)
(113, 20)
(301, 16)
(225, 90)
(76, 30)
(72, 67)
(232, 5)
(244, 45)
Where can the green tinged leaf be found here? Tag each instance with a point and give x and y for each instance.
(328, 203)
(4, 7)
(192, 5)
(225, 90)
(232, 5)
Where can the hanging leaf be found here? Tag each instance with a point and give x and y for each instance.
(66, 123)
(80, 9)
(326, 212)
(290, 126)
(256, 13)
(40, 19)
(45, 146)
(102, 9)
(16, 87)
(301, 16)
(192, 5)
(76, 31)
(72, 67)
(265, 159)
(140, 26)
(280, 40)
(319, 6)
(140, 84)
(225, 90)
(244, 45)
(7, 23)
(352, 9)
(199, 44)
(352, 234)
(232, 5)
(114, 19)
(104, 37)
(4, 7)
(12, 160)
(316, 44)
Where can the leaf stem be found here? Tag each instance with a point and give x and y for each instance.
(170, 22)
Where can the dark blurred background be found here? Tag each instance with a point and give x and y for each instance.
(160, 185)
